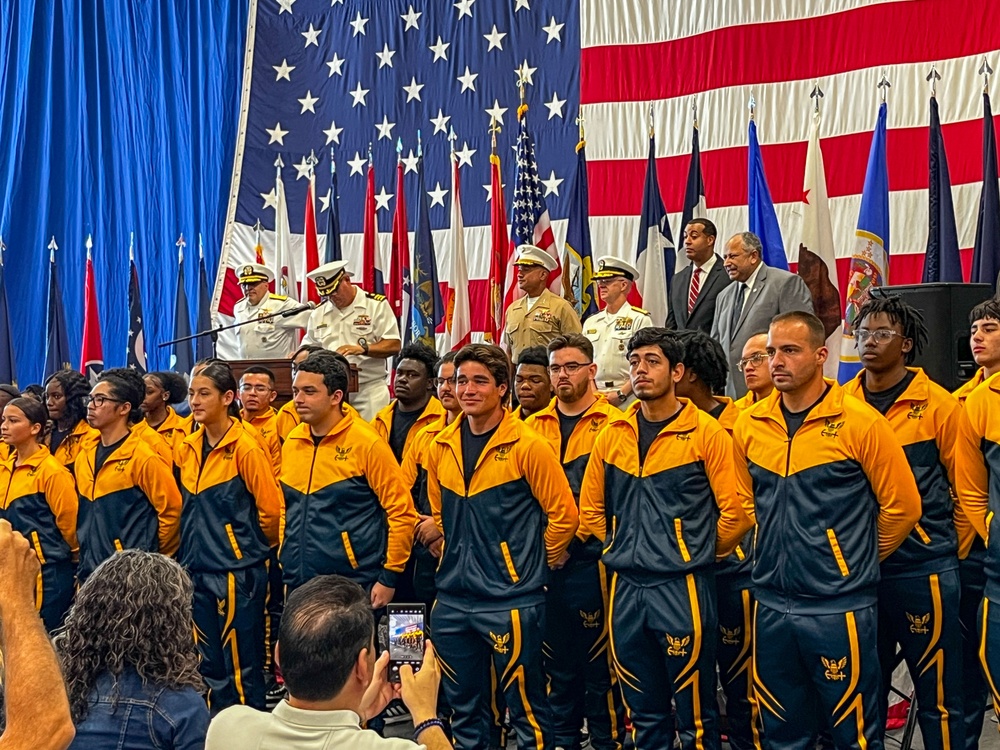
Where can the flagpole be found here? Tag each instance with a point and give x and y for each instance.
(3, 250)
(181, 244)
(884, 85)
(131, 247)
(52, 249)
(89, 244)
(986, 71)
(933, 77)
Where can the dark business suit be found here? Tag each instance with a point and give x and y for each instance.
(704, 307)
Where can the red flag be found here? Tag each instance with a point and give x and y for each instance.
(500, 252)
(91, 358)
(312, 243)
(458, 321)
(370, 276)
(400, 248)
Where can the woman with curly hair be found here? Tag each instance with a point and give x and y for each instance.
(163, 389)
(66, 395)
(129, 658)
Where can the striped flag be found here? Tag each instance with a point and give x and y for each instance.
(458, 322)
(286, 282)
(57, 356)
(941, 260)
(372, 276)
(500, 253)
(654, 246)
(578, 244)
(91, 356)
(986, 254)
(870, 262)
(8, 362)
(817, 259)
(312, 243)
(763, 219)
(400, 261)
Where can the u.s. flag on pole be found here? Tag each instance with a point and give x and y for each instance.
(346, 73)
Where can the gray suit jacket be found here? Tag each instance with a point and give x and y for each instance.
(775, 291)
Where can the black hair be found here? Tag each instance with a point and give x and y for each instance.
(174, 384)
(572, 341)
(222, 378)
(706, 357)
(35, 412)
(76, 389)
(446, 358)
(900, 313)
(309, 349)
(325, 625)
(988, 310)
(668, 341)
(127, 386)
(206, 361)
(10, 390)
(260, 370)
(420, 353)
(534, 355)
(34, 391)
(708, 228)
(817, 331)
(330, 367)
(491, 357)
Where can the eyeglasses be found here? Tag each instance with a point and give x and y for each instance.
(99, 400)
(438, 382)
(881, 335)
(247, 388)
(571, 368)
(754, 359)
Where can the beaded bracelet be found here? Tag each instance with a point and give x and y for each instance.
(419, 728)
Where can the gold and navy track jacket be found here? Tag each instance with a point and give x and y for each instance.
(39, 500)
(979, 476)
(516, 517)
(926, 420)
(266, 429)
(585, 548)
(232, 505)
(830, 503)
(161, 447)
(674, 514)
(739, 561)
(286, 420)
(415, 463)
(174, 429)
(348, 510)
(383, 420)
(73, 443)
(746, 401)
(963, 391)
(132, 503)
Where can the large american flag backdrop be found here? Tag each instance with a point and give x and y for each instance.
(353, 72)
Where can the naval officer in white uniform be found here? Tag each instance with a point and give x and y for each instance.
(269, 338)
(358, 324)
(611, 328)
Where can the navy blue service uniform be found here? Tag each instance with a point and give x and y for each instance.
(582, 681)
(832, 496)
(505, 520)
(664, 516)
(919, 594)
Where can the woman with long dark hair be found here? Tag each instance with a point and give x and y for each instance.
(129, 659)
(163, 390)
(229, 521)
(38, 497)
(66, 394)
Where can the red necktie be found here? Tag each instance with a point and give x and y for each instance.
(695, 288)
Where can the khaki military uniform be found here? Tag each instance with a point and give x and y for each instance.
(609, 333)
(368, 318)
(550, 316)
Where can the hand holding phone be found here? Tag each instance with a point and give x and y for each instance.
(406, 637)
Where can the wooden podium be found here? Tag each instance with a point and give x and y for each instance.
(282, 369)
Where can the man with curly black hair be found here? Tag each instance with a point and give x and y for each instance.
(415, 406)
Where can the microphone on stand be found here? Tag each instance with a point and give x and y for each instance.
(297, 310)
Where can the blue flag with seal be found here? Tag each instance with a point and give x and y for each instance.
(57, 356)
(428, 312)
(578, 238)
(942, 261)
(870, 260)
(763, 219)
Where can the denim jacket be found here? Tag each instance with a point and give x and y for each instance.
(146, 717)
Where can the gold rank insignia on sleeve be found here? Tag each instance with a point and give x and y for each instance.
(376, 297)
(640, 310)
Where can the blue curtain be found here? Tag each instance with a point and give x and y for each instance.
(116, 116)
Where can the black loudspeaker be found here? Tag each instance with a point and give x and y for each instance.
(947, 358)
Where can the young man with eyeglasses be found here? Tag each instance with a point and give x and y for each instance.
(128, 496)
(256, 396)
(659, 494)
(610, 329)
(919, 591)
(414, 406)
(505, 509)
(582, 684)
(832, 494)
(756, 375)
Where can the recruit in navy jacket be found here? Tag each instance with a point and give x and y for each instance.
(927, 421)
(232, 505)
(516, 517)
(674, 514)
(830, 503)
(347, 509)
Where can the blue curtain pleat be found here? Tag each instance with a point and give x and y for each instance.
(116, 116)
